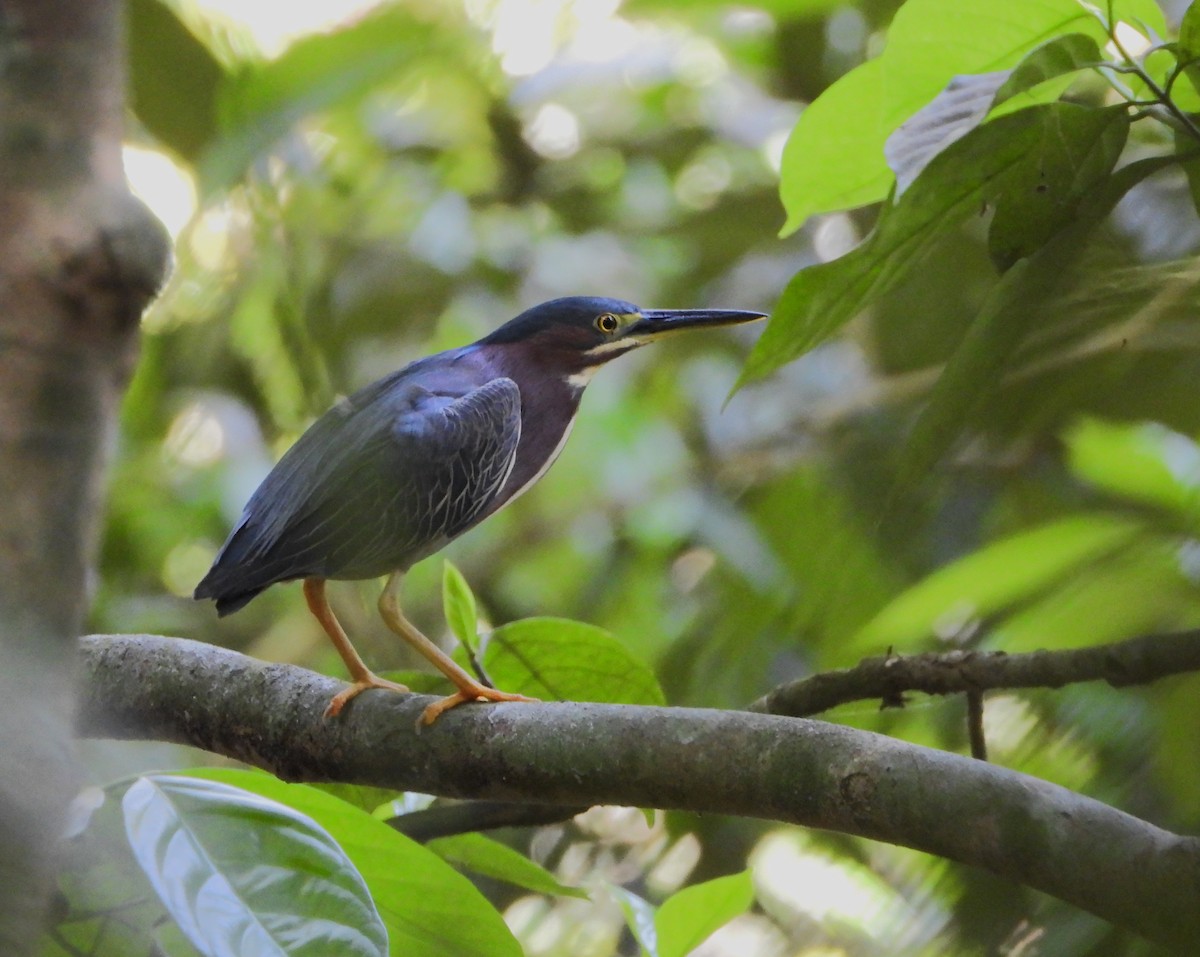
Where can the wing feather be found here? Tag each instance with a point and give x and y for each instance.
(377, 483)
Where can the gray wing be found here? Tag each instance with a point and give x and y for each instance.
(377, 483)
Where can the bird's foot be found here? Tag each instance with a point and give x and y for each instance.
(357, 687)
(473, 692)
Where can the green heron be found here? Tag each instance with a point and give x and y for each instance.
(401, 468)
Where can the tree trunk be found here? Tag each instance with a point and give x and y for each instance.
(79, 259)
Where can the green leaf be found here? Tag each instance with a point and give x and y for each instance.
(1078, 148)
(950, 116)
(689, 916)
(173, 78)
(1058, 57)
(459, 605)
(1146, 15)
(240, 874)
(1187, 49)
(562, 660)
(932, 40)
(264, 101)
(429, 909)
(997, 576)
(977, 365)
(98, 876)
(1146, 462)
(835, 159)
(481, 854)
(968, 100)
(821, 299)
(1138, 588)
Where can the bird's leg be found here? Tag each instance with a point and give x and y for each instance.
(361, 677)
(469, 689)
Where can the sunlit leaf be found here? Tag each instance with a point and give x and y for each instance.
(932, 40)
(1058, 57)
(835, 156)
(240, 874)
(430, 910)
(458, 603)
(1148, 585)
(1145, 462)
(561, 660)
(690, 915)
(956, 598)
(1187, 49)
(490, 858)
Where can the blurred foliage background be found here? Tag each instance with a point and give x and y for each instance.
(355, 190)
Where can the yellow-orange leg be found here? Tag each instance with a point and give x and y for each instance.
(361, 677)
(468, 688)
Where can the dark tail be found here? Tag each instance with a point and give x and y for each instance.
(227, 595)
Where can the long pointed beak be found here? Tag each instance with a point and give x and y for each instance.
(657, 322)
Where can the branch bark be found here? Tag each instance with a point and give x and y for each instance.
(1130, 662)
(79, 260)
(788, 769)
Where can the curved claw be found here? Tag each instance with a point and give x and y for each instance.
(474, 693)
(370, 680)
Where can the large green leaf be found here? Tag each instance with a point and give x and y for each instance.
(1139, 588)
(481, 854)
(821, 299)
(690, 915)
(562, 660)
(1063, 55)
(932, 40)
(1187, 49)
(992, 579)
(1146, 462)
(977, 366)
(968, 100)
(430, 910)
(1078, 149)
(107, 907)
(240, 874)
(835, 155)
(174, 78)
(833, 158)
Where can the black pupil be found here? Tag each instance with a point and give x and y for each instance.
(608, 323)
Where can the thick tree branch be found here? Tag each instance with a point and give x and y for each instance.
(801, 771)
(1131, 662)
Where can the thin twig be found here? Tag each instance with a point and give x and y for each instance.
(1164, 96)
(1130, 662)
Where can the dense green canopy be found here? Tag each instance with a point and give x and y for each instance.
(971, 423)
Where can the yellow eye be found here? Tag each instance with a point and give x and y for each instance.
(607, 323)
